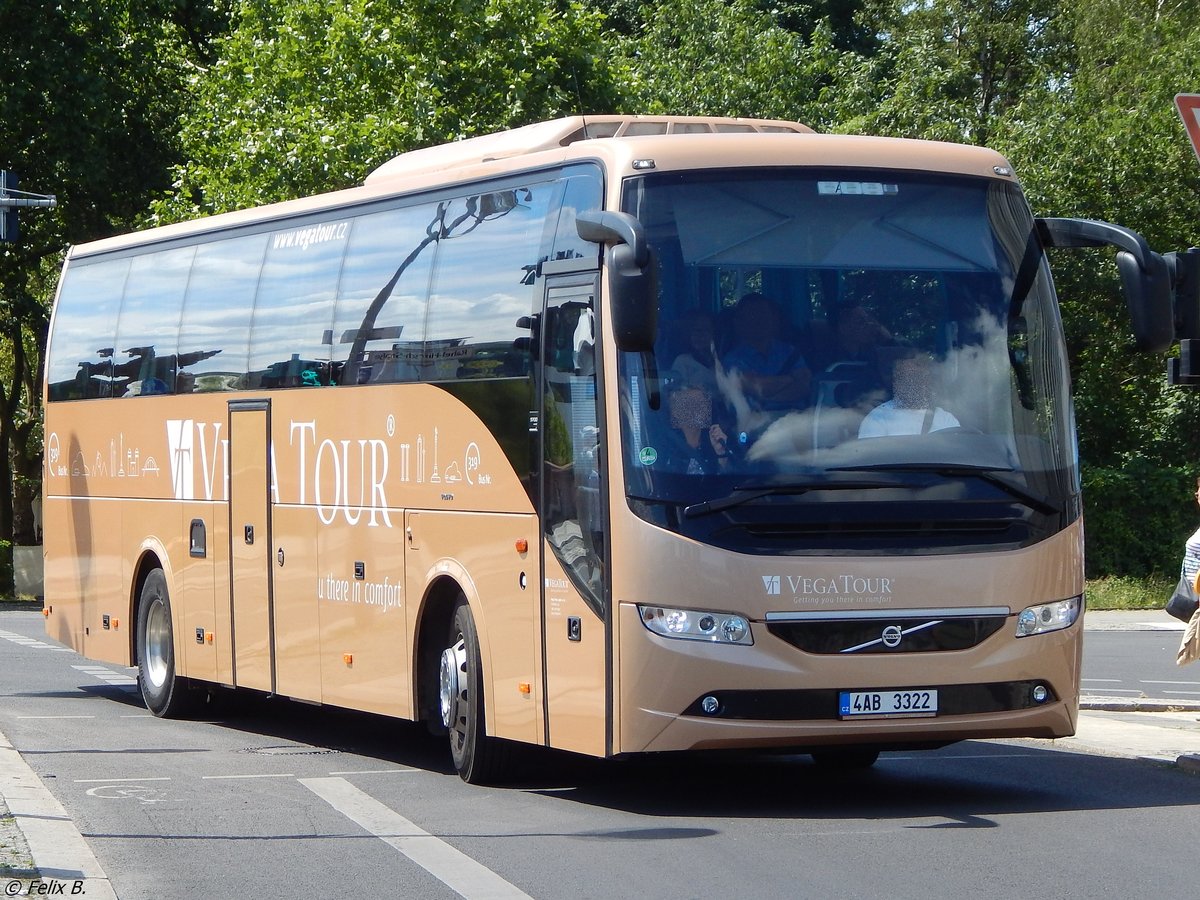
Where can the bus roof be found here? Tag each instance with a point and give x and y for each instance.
(625, 144)
(564, 132)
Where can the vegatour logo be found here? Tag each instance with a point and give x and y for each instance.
(809, 590)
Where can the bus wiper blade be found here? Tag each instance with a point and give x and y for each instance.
(750, 493)
(990, 474)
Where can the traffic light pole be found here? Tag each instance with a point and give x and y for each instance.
(12, 199)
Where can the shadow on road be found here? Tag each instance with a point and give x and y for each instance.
(966, 784)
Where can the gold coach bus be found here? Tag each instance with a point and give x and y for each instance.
(608, 434)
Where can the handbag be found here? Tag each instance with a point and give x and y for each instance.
(1183, 602)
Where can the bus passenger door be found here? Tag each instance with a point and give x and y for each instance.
(574, 588)
(251, 604)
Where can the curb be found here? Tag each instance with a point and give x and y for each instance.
(62, 860)
(1136, 704)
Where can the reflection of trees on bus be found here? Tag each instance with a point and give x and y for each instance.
(478, 209)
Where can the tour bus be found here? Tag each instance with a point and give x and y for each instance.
(612, 434)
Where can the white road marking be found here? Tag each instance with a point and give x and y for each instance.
(32, 642)
(55, 717)
(266, 775)
(470, 879)
(401, 771)
(1189, 683)
(112, 780)
(108, 676)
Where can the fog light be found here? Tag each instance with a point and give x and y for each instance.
(1040, 694)
(710, 705)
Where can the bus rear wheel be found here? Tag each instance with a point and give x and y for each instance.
(165, 694)
(478, 759)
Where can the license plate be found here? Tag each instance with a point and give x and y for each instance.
(852, 704)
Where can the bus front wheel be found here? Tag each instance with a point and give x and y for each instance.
(164, 693)
(477, 758)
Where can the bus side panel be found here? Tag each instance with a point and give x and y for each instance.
(296, 576)
(479, 551)
(203, 578)
(363, 635)
(70, 568)
(575, 668)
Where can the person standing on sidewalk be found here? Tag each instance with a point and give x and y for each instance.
(1189, 647)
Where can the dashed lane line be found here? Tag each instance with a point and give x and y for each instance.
(108, 676)
(33, 643)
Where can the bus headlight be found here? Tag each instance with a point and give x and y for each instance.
(1048, 617)
(697, 625)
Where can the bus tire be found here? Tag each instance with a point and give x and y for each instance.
(477, 758)
(165, 694)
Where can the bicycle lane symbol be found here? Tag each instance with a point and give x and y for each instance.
(128, 792)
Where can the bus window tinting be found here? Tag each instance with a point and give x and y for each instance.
(482, 287)
(217, 309)
(381, 300)
(147, 352)
(894, 297)
(293, 309)
(81, 353)
(431, 291)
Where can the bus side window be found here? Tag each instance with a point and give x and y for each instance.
(381, 302)
(217, 309)
(293, 309)
(481, 285)
(80, 363)
(148, 327)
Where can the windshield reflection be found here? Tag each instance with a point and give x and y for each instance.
(860, 323)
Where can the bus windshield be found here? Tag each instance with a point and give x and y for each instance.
(848, 362)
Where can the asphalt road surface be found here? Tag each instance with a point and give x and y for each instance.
(280, 799)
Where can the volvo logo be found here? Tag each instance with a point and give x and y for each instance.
(891, 636)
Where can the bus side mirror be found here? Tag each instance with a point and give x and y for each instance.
(1145, 276)
(632, 276)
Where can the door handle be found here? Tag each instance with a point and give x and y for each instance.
(249, 534)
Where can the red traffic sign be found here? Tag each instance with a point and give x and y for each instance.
(1189, 110)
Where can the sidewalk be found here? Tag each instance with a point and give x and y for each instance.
(39, 843)
(1163, 731)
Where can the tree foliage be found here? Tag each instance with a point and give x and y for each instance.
(88, 111)
(307, 96)
(136, 111)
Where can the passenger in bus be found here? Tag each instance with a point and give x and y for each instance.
(912, 409)
(697, 445)
(773, 373)
(697, 363)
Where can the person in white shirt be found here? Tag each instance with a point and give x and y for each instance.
(911, 409)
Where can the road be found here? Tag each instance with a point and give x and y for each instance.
(1135, 664)
(284, 800)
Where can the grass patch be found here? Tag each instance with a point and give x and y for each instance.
(1127, 592)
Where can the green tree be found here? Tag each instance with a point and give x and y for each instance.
(88, 107)
(945, 69)
(308, 96)
(712, 57)
(1099, 138)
